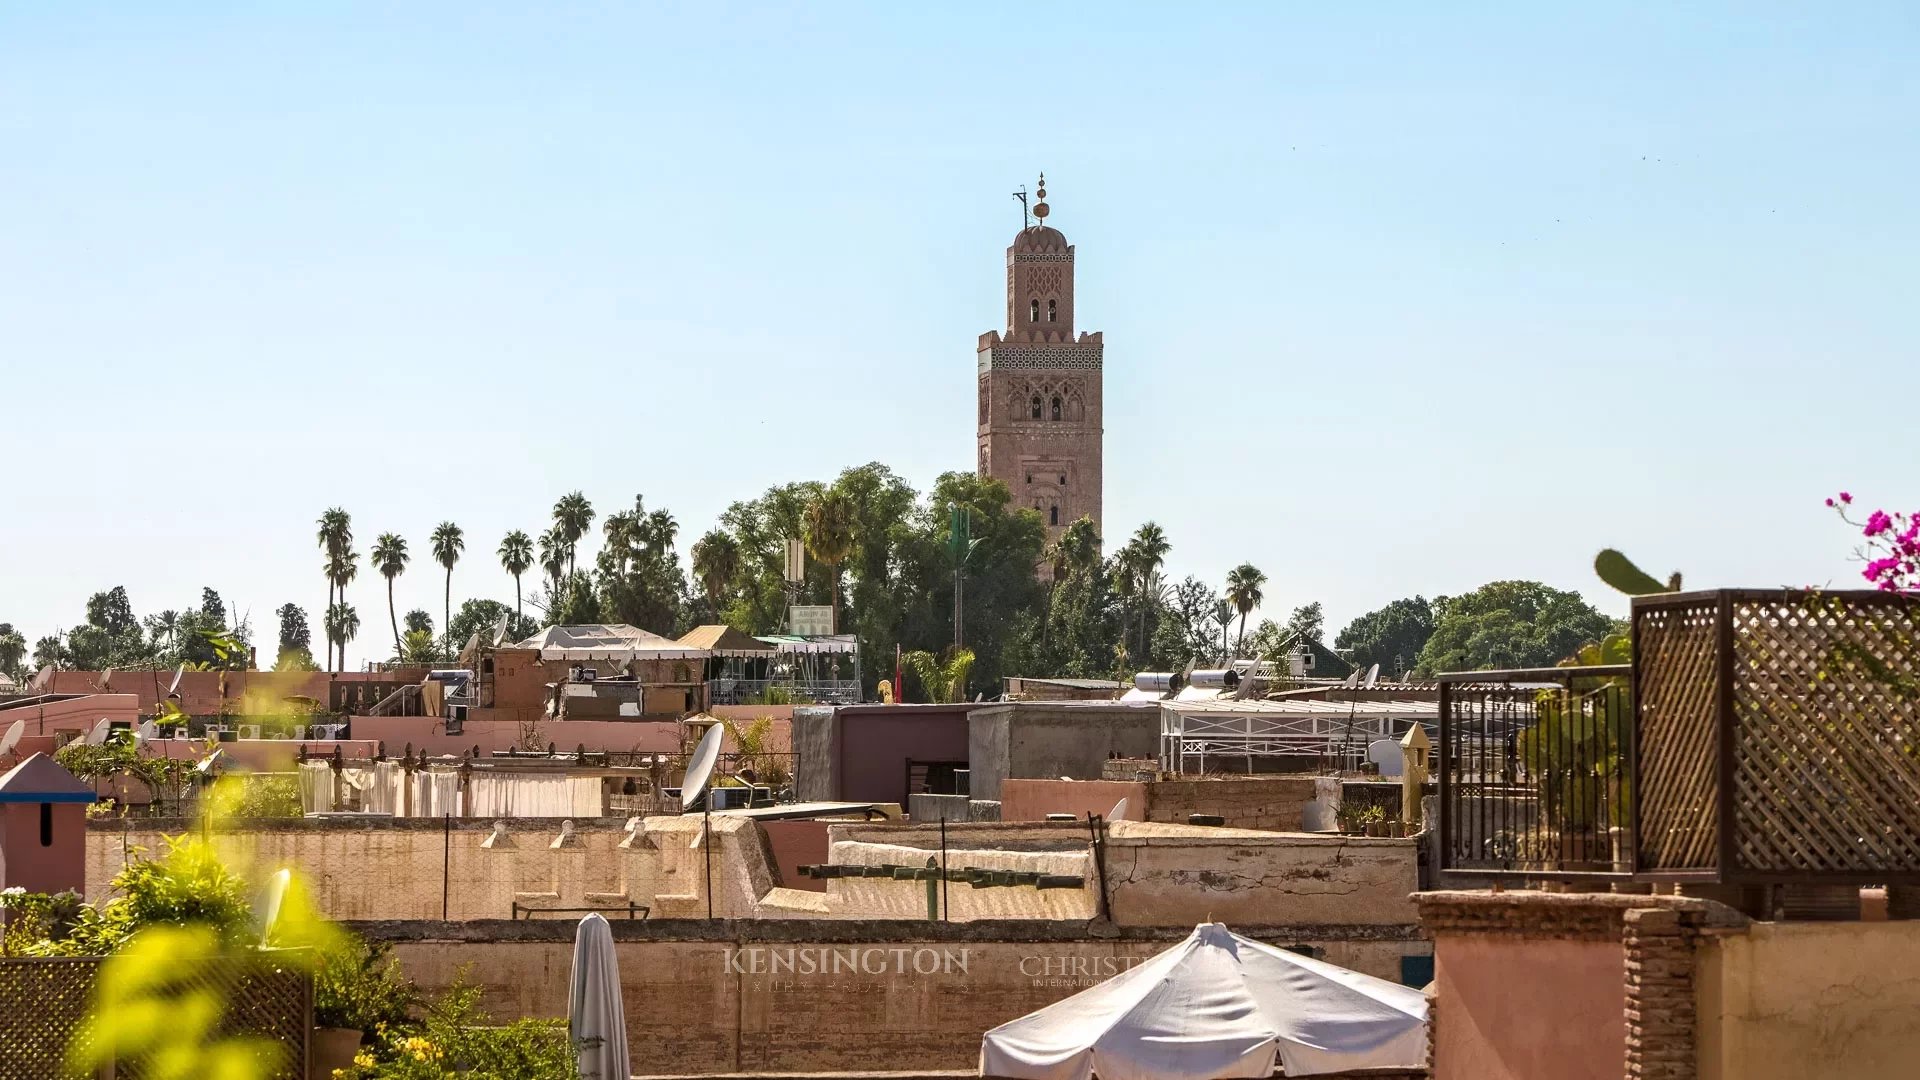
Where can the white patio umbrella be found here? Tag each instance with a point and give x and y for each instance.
(1216, 1005)
(595, 1019)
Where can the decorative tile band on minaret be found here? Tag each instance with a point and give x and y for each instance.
(1040, 429)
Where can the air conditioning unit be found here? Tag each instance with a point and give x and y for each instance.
(182, 733)
(249, 731)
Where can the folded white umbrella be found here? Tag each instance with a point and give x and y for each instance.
(595, 1019)
(1216, 1005)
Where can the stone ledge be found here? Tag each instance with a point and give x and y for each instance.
(1596, 916)
(849, 931)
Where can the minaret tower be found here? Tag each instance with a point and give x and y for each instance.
(1040, 416)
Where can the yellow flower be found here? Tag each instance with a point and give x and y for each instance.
(365, 1059)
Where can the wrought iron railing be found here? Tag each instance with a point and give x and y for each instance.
(1535, 772)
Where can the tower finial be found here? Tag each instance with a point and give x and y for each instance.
(1040, 208)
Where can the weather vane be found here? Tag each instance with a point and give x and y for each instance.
(1039, 209)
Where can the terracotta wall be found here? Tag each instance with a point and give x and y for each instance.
(1277, 803)
(795, 844)
(702, 1006)
(27, 863)
(1519, 1009)
(72, 714)
(874, 744)
(1033, 800)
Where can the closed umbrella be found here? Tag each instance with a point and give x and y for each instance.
(595, 1020)
(1216, 1005)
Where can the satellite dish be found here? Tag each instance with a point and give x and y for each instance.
(1119, 811)
(43, 678)
(99, 733)
(205, 768)
(500, 629)
(1373, 675)
(12, 738)
(173, 688)
(700, 767)
(147, 731)
(473, 642)
(106, 679)
(270, 903)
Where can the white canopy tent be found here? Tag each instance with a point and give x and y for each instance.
(1216, 1005)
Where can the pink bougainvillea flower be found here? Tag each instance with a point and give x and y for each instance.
(1877, 522)
(1845, 497)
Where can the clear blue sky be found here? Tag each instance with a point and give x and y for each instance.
(1397, 300)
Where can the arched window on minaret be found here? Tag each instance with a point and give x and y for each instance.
(1036, 406)
(1033, 311)
(1055, 516)
(1056, 406)
(1051, 311)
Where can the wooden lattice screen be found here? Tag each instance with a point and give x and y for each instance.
(44, 1002)
(1779, 735)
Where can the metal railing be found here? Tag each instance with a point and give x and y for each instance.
(1535, 772)
(798, 691)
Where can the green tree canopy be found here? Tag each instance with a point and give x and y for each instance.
(1510, 624)
(1391, 636)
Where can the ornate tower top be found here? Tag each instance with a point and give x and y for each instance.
(1040, 209)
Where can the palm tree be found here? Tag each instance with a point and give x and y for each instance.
(448, 542)
(553, 560)
(342, 567)
(168, 623)
(1243, 592)
(389, 556)
(830, 539)
(716, 560)
(573, 513)
(13, 647)
(516, 555)
(343, 625)
(943, 679)
(1144, 555)
(334, 535)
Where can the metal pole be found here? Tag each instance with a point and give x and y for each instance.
(706, 841)
(945, 903)
(446, 864)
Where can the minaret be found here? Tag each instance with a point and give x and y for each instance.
(1040, 394)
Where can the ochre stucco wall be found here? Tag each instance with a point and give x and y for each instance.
(1529, 1009)
(1788, 1001)
(1033, 800)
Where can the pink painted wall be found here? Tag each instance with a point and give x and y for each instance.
(1033, 800)
(26, 863)
(796, 844)
(1516, 1009)
(72, 714)
(261, 755)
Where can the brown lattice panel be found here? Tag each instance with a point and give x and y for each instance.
(1779, 735)
(44, 1002)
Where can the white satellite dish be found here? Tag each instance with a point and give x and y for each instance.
(12, 738)
(106, 679)
(700, 767)
(173, 688)
(147, 731)
(99, 733)
(500, 629)
(205, 768)
(1119, 811)
(270, 904)
(1373, 675)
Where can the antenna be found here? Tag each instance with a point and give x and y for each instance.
(12, 738)
(1026, 216)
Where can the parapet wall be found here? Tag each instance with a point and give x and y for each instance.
(812, 996)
